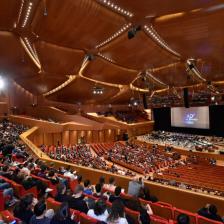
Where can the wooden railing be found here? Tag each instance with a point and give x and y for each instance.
(180, 198)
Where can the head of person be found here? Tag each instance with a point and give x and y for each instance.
(111, 181)
(63, 212)
(79, 179)
(117, 191)
(25, 203)
(117, 211)
(40, 208)
(78, 191)
(183, 219)
(68, 168)
(86, 183)
(212, 209)
(99, 207)
(51, 173)
(98, 188)
(102, 180)
(61, 188)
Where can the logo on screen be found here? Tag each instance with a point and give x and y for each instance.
(190, 118)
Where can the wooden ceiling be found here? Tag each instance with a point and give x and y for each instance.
(63, 49)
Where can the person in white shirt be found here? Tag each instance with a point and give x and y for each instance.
(111, 186)
(100, 211)
(117, 215)
(69, 174)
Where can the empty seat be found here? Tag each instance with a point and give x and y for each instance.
(85, 219)
(162, 211)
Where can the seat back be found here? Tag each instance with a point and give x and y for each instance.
(85, 219)
(133, 214)
(162, 211)
(76, 213)
(203, 220)
(157, 220)
(7, 216)
(51, 203)
(192, 216)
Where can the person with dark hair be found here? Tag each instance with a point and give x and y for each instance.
(99, 211)
(62, 215)
(23, 210)
(53, 177)
(39, 214)
(98, 192)
(116, 195)
(76, 201)
(111, 186)
(210, 211)
(144, 193)
(102, 181)
(183, 219)
(117, 214)
(87, 187)
(135, 205)
(61, 193)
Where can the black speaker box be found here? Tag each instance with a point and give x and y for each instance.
(144, 98)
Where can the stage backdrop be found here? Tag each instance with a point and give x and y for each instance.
(162, 118)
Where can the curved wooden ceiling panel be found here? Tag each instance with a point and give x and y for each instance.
(80, 91)
(59, 60)
(14, 61)
(102, 70)
(150, 8)
(40, 84)
(76, 24)
(139, 52)
(9, 12)
(201, 33)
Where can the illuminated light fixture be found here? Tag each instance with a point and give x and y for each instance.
(213, 98)
(156, 37)
(20, 10)
(106, 58)
(116, 8)
(2, 83)
(27, 14)
(134, 102)
(97, 90)
(169, 16)
(119, 32)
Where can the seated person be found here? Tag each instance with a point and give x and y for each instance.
(134, 186)
(23, 210)
(39, 216)
(116, 195)
(63, 215)
(87, 187)
(183, 219)
(53, 177)
(98, 192)
(210, 212)
(61, 193)
(99, 211)
(117, 214)
(76, 201)
(111, 186)
(145, 194)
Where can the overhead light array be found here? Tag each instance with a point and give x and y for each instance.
(69, 80)
(156, 37)
(31, 49)
(97, 90)
(20, 11)
(123, 29)
(106, 58)
(116, 8)
(27, 14)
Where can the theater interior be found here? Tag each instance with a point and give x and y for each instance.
(111, 111)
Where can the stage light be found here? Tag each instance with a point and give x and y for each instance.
(213, 98)
(2, 83)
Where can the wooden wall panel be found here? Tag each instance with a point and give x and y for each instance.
(57, 138)
(95, 137)
(65, 138)
(73, 137)
(48, 139)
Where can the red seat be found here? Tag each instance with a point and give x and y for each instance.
(162, 211)
(85, 219)
(192, 216)
(133, 214)
(76, 214)
(157, 220)
(7, 216)
(203, 220)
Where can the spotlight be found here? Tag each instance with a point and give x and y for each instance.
(97, 90)
(90, 57)
(2, 83)
(213, 98)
